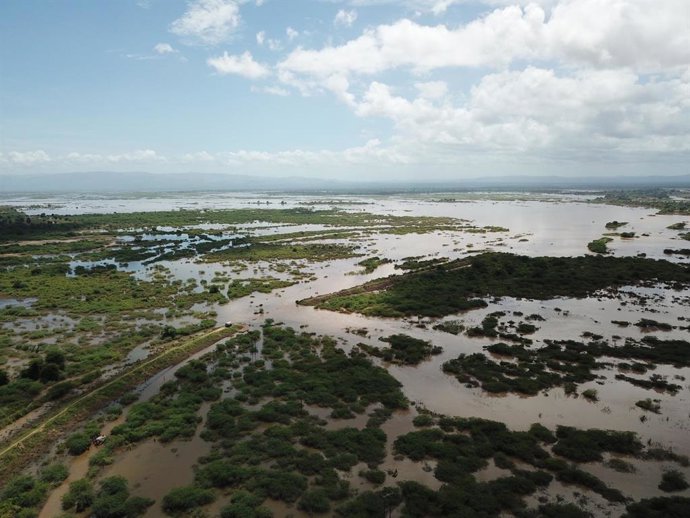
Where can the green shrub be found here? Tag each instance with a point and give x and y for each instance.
(184, 499)
(77, 443)
(673, 480)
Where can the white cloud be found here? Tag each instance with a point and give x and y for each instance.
(647, 35)
(261, 37)
(164, 48)
(27, 157)
(274, 45)
(272, 90)
(291, 33)
(243, 65)
(432, 89)
(208, 21)
(345, 17)
(139, 155)
(538, 111)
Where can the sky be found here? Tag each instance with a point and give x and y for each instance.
(351, 89)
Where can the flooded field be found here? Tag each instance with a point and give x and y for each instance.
(555, 226)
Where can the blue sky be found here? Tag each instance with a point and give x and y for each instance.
(372, 89)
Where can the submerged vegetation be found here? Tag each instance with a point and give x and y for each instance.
(403, 349)
(462, 285)
(666, 201)
(309, 424)
(598, 246)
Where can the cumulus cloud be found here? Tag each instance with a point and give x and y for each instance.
(600, 33)
(26, 157)
(537, 110)
(40, 157)
(242, 65)
(291, 33)
(164, 48)
(209, 22)
(432, 89)
(345, 18)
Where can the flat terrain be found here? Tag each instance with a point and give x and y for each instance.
(456, 355)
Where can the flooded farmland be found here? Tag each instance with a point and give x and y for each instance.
(197, 288)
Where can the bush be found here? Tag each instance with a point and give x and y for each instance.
(315, 501)
(77, 443)
(660, 507)
(23, 491)
(673, 480)
(374, 476)
(423, 420)
(183, 499)
(54, 474)
(79, 496)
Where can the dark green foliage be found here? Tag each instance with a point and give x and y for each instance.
(222, 473)
(80, 496)
(450, 288)
(673, 480)
(423, 420)
(78, 443)
(614, 225)
(661, 199)
(536, 370)
(113, 500)
(372, 263)
(55, 357)
(183, 499)
(374, 476)
(33, 370)
(49, 372)
(54, 474)
(372, 504)
(59, 390)
(408, 350)
(4, 378)
(572, 475)
(660, 507)
(278, 485)
(173, 412)
(598, 246)
(245, 505)
(331, 379)
(563, 363)
(588, 445)
(16, 225)
(555, 511)
(620, 465)
(649, 405)
(314, 502)
(23, 491)
(541, 433)
(453, 327)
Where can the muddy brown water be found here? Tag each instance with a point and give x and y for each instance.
(549, 229)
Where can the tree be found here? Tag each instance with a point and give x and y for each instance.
(57, 357)
(80, 496)
(77, 443)
(49, 372)
(315, 501)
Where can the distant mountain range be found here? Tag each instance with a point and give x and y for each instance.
(110, 182)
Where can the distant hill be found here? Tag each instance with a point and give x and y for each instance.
(109, 182)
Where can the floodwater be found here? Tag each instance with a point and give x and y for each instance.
(556, 228)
